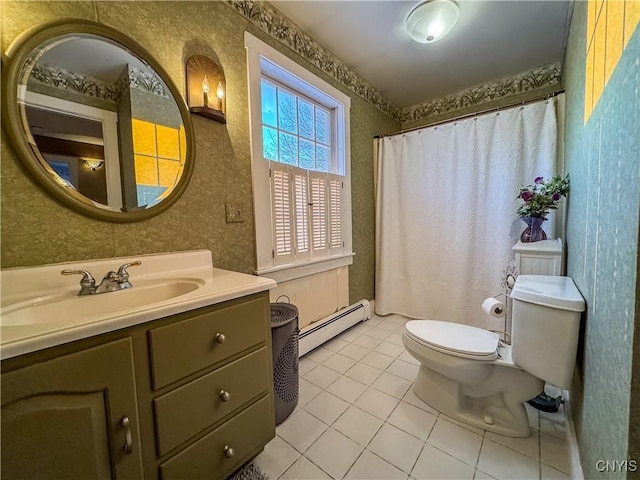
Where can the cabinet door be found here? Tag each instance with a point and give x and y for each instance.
(63, 418)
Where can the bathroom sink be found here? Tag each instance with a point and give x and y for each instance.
(60, 307)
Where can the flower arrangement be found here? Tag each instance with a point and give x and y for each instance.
(542, 196)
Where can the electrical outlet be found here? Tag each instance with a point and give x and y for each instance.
(234, 214)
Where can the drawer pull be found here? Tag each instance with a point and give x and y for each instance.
(220, 337)
(228, 451)
(224, 395)
(128, 445)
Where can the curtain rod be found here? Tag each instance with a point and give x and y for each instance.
(474, 114)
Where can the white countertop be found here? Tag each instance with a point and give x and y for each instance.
(30, 293)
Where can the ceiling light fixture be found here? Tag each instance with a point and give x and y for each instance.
(432, 20)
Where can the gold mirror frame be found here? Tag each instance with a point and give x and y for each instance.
(13, 62)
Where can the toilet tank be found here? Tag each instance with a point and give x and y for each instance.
(546, 324)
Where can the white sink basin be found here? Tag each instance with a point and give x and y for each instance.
(57, 308)
(40, 308)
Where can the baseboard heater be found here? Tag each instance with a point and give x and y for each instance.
(319, 332)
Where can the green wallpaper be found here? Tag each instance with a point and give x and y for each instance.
(602, 244)
(37, 229)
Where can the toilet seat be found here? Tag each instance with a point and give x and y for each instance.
(454, 339)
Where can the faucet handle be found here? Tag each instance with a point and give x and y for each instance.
(87, 283)
(122, 271)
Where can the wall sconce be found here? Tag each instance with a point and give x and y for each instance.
(202, 74)
(93, 163)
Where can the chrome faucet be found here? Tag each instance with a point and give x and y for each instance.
(112, 281)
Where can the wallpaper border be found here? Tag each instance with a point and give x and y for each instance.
(273, 22)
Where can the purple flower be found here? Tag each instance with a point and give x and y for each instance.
(556, 197)
(538, 180)
(526, 195)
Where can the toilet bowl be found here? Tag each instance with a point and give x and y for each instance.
(468, 374)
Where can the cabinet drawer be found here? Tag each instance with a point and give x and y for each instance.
(206, 458)
(182, 348)
(193, 407)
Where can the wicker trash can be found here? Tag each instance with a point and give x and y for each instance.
(284, 339)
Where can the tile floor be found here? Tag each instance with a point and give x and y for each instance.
(358, 418)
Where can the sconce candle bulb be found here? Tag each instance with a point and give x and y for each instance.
(220, 94)
(205, 91)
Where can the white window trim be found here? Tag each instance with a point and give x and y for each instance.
(261, 58)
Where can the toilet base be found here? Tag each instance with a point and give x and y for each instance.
(496, 405)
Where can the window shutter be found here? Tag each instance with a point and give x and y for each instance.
(282, 213)
(335, 214)
(301, 211)
(319, 214)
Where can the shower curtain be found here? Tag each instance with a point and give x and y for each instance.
(446, 210)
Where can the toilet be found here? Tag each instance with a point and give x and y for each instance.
(468, 374)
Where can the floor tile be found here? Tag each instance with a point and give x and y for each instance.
(402, 369)
(377, 360)
(396, 447)
(390, 349)
(506, 464)
(304, 469)
(549, 473)
(363, 327)
(347, 389)
(339, 363)
(367, 342)
(335, 345)
(276, 457)
(406, 357)
(355, 352)
(358, 425)
(530, 446)
(482, 476)
(396, 339)
(555, 452)
(305, 364)
(334, 453)
(307, 391)
(412, 420)
(388, 326)
(379, 333)
(554, 424)
(300, 430)
(394, 386)
(350, 335)
(319, 354)
(456, 441)
(411, 398)
(376, 403)
(322, 376)
(363, 373)
(326, 407)
(371, 467)
(436, 464)
(466, 426)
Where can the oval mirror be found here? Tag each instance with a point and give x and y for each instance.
(97, 120)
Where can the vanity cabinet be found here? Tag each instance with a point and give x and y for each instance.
(72, 417)
(197, 388)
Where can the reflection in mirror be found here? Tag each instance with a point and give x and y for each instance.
(102, 122)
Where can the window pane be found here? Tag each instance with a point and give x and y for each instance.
(269, 143)
(305, 117)
(287, 112)
(288, 149)
(269, 109)
(323, 128)
(322, 158)
(307, 154)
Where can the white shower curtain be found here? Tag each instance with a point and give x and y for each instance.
(446, 210)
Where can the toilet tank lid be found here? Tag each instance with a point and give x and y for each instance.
(550, 291)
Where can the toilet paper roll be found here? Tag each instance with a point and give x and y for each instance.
(493, 307)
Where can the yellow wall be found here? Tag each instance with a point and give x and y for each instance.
(610, 25)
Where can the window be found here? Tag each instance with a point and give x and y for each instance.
(300, 166)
